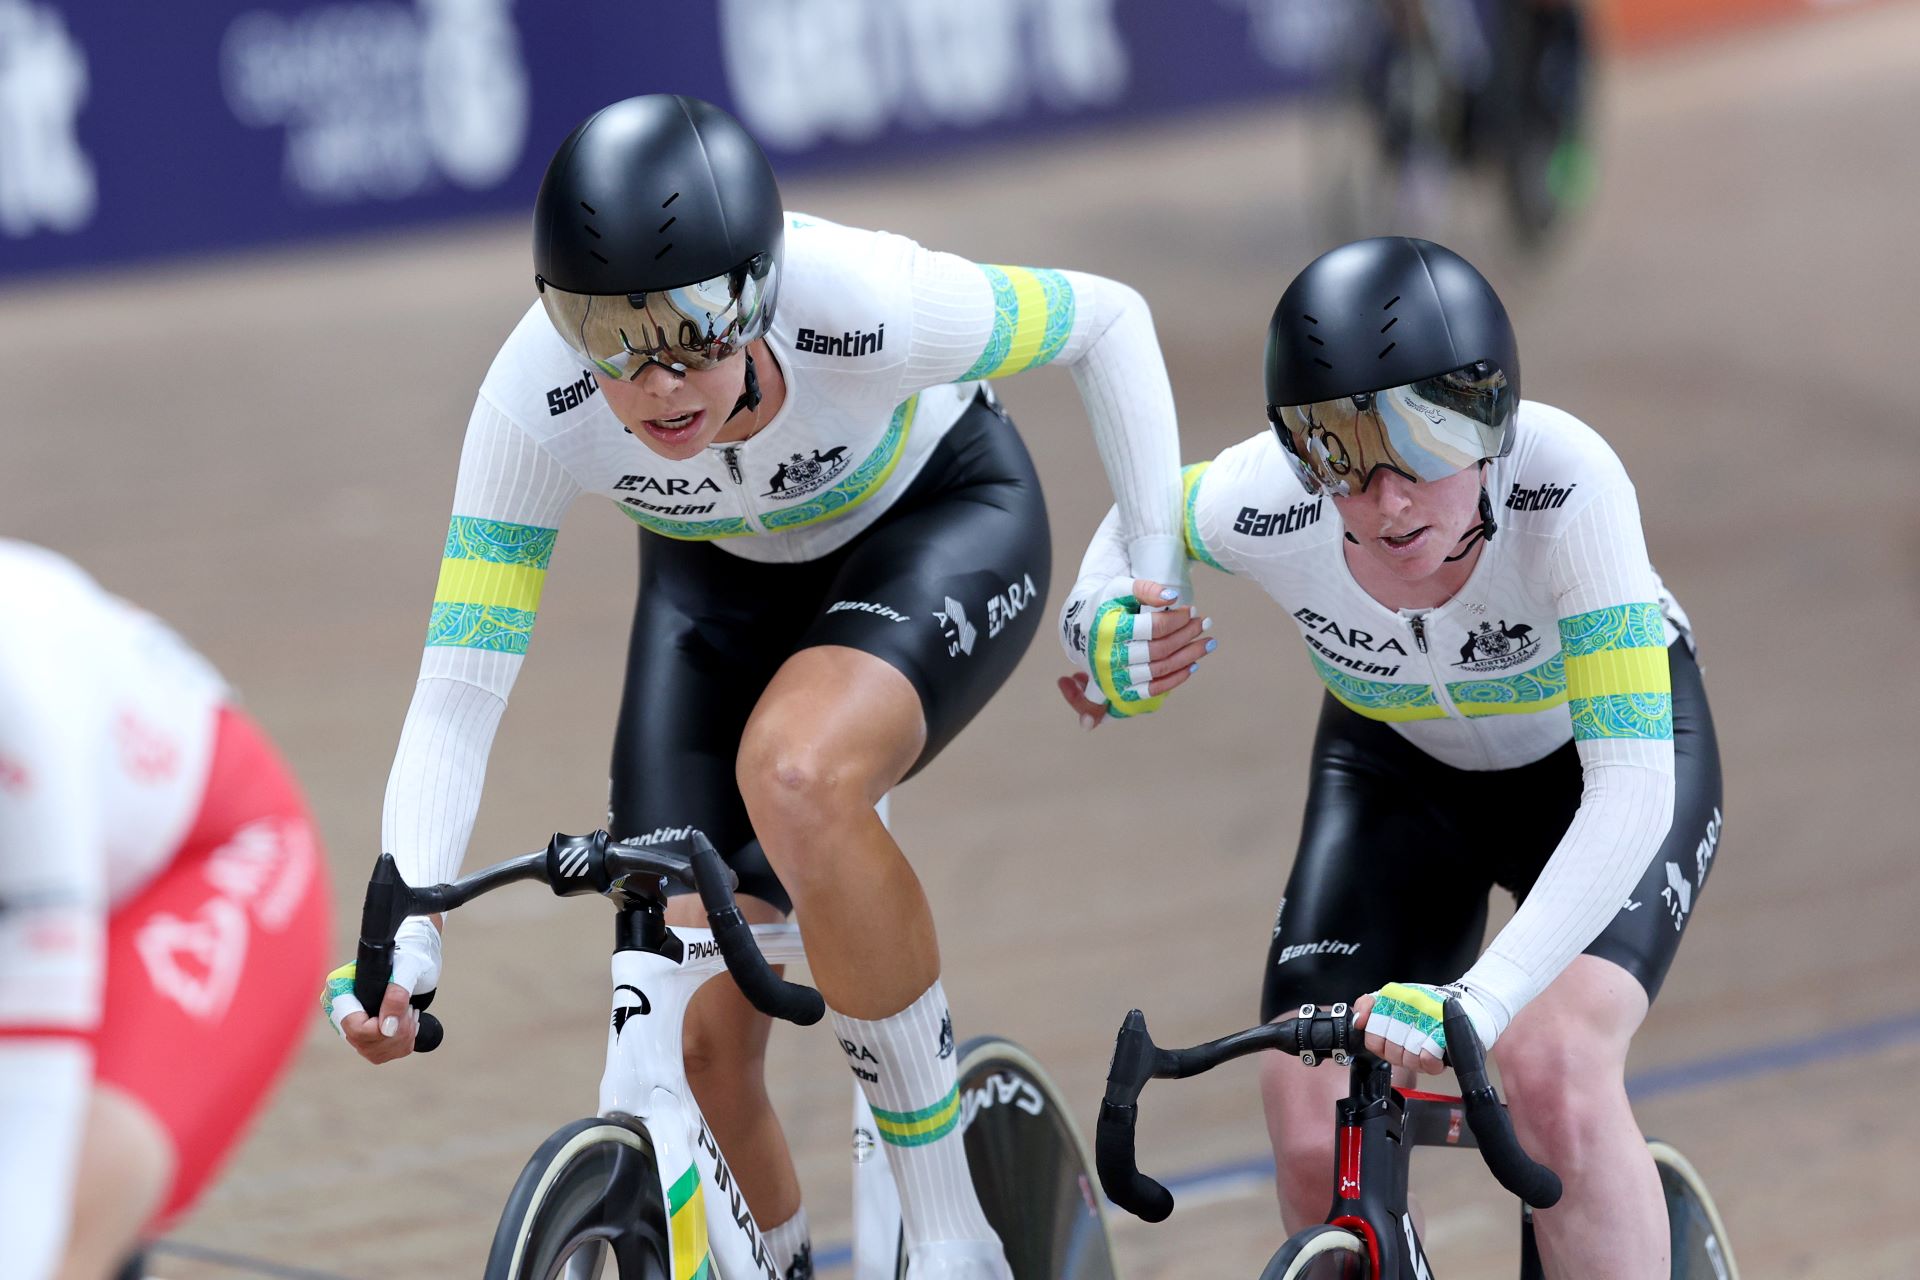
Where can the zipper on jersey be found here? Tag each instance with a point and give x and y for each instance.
(730, 454)
(1418, 622)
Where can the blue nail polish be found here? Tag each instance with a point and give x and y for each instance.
(1212, 645)
(1170, 593)
(1193, 668)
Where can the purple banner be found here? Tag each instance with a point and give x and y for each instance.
(132, 131)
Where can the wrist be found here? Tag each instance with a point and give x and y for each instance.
(1158, 557)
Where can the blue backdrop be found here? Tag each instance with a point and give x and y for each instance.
(132, 131)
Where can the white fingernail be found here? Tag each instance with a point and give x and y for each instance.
(1087, 721)
(389, 1025)
(1206, 624)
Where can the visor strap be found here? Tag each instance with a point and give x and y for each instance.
(750, 397)
(1487, 527)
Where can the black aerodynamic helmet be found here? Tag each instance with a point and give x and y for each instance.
(1390, 352)
(657, 236)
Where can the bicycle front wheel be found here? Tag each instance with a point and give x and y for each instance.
(1321, 1253)
(1699, 1239)
(1030, 1166)
(589, 1197)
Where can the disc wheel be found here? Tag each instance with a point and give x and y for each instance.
(589, 1197)
(1701, 1250)
(1030, 1166)
(1321, 1253)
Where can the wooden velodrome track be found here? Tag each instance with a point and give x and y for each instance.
(263, 450)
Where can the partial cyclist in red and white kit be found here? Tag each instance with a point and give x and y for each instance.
(1511, 700)
(163, 916)
(844, 553)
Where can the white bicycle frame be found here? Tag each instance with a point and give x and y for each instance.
(646, 1077)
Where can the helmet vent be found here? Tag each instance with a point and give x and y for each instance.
(1389, 324)
(669, 222)
(663, 253)
(589, 208)
(670, 199)
(1383, 351)
(595, 253)
(1315, 341)
(1388, 306)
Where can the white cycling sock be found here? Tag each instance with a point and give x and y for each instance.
(790, 1249)
(909, 1071)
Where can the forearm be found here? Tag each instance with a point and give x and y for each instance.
(1123, 383)
(1624, 815)
(439, 769)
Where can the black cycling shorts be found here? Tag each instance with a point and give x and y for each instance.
(948, 588)
(1399, 852)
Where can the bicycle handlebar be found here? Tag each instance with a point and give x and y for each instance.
(572, 865)
(1492, 1128)
(1329, 1033)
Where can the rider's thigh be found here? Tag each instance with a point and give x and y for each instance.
(126, 1165)
(1563, 1061)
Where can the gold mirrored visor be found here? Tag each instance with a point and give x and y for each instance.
(1425, 430)
(693, 326)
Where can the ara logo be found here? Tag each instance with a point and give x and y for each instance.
(621, 1012)
(561, 399)
(1545, 497)
(1265, 524)
(671, 487)
(946, 1037)
(858, 1053)
(1009, 604)
(1316, 624)
(853, 343)
(1072, 630)
(955, 627)
(800, 474)
(1000, 1090)
(1491, 648)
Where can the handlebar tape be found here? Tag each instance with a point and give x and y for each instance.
(764, 990)
(1135, 1058)
(1115, 1162)
(1492, 1128)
